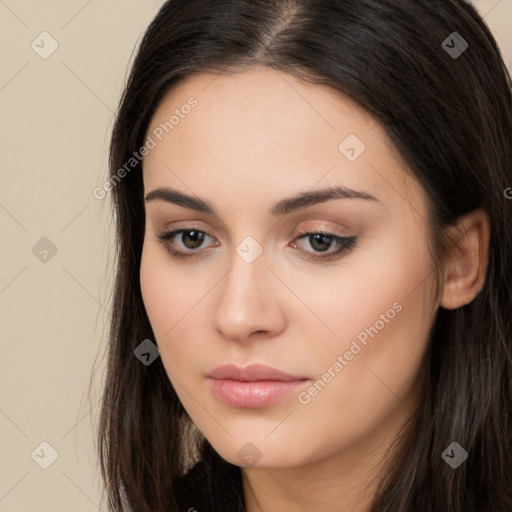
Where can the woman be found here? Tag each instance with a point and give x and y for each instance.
(312, 298)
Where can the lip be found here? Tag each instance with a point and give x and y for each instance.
(253, 386)
(251, 373)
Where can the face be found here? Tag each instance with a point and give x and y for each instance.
(332, 294)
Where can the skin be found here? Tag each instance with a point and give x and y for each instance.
(257, 137)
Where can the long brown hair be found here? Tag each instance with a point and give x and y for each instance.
(450, 116)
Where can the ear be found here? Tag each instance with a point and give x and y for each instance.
(466, 265)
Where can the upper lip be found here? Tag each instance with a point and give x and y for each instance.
(251, 373)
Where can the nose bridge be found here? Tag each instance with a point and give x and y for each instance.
(246, 303)
(245, 281)
(248, 266)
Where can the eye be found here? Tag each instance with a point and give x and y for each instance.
(321, 241)
(190, 238)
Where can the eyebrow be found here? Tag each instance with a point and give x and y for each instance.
(283, 207)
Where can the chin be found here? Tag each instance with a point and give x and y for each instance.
(259, 453)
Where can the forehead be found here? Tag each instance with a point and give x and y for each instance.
(261, 105)
(261, 130)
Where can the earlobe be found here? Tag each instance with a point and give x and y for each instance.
(466, 266)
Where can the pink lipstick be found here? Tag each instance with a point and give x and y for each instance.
(252, 386)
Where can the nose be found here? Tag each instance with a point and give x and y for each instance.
(250, 303)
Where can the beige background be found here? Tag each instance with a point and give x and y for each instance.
(56, 115)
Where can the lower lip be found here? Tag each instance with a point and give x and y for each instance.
(253, 395)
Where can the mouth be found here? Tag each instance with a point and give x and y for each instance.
(253, 386)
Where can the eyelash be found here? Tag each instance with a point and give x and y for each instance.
(346, 244)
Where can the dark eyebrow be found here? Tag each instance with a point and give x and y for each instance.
(285, 206)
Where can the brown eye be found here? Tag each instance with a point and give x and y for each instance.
(192, 239)
(322, 241)
(189, 241)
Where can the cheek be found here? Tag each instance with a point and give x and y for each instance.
(168, 293)
(362, 386)
(172, 299)
(156, 290)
